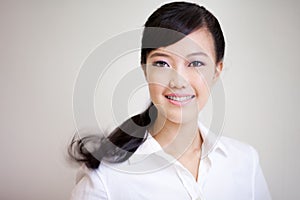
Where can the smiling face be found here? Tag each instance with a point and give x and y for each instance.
(180, 76)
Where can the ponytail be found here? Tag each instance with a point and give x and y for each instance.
(121, 143)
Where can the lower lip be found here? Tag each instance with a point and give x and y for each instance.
(179, 103)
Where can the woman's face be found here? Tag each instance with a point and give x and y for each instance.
(180, 76)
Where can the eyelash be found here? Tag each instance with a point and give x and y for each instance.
(199, 63)
(165, 64)
(160, 64)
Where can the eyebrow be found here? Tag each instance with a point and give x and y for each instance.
(159, 54)
(189, 55)
(197, 54)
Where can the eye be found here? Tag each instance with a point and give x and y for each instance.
(196, 64)
(160, 64)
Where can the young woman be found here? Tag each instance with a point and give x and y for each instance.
(165, 152)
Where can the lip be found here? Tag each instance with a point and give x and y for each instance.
(189, 98)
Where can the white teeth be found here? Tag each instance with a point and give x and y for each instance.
(180, 98)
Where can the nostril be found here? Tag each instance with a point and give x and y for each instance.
(178, 84)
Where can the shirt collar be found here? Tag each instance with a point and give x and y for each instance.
(211, 143)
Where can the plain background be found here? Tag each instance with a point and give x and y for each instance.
(43, 44)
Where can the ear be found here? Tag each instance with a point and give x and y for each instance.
(218, 70)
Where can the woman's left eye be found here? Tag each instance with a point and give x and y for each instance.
(196, 64)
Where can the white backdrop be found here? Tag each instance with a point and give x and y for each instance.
(43, 44)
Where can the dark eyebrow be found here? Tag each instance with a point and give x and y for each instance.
(197, 54)
(189, 55)
(159, 54)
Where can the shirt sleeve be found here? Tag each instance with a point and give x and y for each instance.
(260, 187)
(89, 186)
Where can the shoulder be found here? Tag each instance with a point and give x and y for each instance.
(239, 151)
(235, 146)
(240, 161)
(89, 185)
(245, 161)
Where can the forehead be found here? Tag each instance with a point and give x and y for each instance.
(198, 41)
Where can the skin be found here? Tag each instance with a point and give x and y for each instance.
(176, 70)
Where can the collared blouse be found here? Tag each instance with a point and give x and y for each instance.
(228, 170)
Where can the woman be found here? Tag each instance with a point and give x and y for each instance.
(164, 152)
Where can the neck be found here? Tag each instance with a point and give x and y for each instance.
(176, 138)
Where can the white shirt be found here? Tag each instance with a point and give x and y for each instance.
(229, 170)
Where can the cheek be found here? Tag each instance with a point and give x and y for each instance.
(156, 91)
(203, 80)
(158, 76)
(202, 83)
(157, 83)
(201, 88)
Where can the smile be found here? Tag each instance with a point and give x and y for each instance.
(180, 99)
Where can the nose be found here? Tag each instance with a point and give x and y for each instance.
(177, 81)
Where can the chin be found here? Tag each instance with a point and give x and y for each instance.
(183, 116)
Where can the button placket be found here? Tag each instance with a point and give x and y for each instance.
(188, 182)
(204, 167)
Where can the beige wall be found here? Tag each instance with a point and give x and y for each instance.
(43, 44)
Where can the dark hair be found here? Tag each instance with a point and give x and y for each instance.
(179, 17)
(184, 18)
(118, 146)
